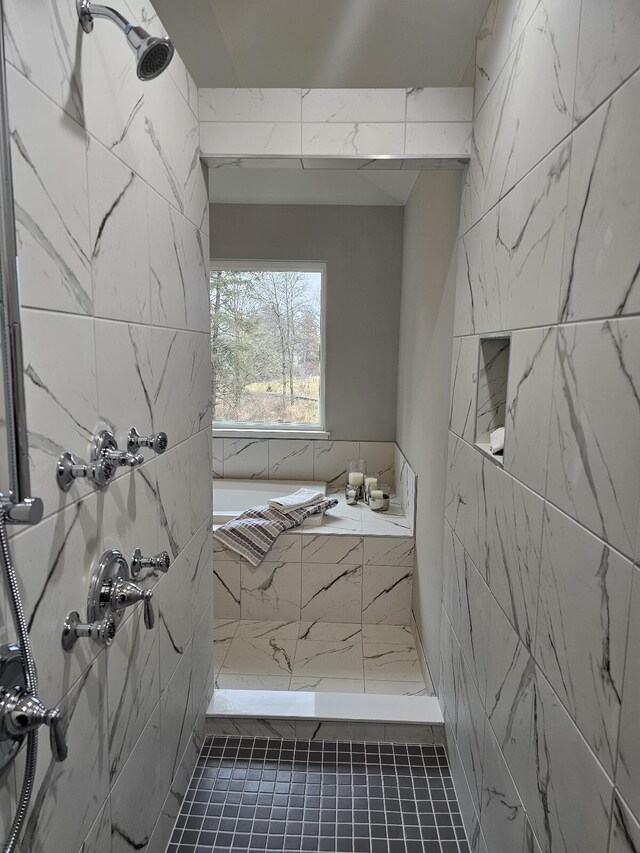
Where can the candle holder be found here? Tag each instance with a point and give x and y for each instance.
(355, 480)
(370, 482)
(379, 498)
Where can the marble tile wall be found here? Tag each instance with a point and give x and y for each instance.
(112, 219)
(539, 642)
(412, 123)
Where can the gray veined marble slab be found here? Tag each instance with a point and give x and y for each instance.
(582, 628)
(173, 610)
(464, 372)
(331, 593)
(226, 104)
(260, 656)
(330, 460)
(172, 494)
(199, 478)
(226, 589)
(607, 52)
(625, 829)
(531, 362)
(339, 550)
(628, 768)
(604, 205)
(329, 659)
(502, 811)
(270, 591)
(568, 797)
(472, 189)
(290, 459)
(468, 721)
(246, 458)
(386, 594)
(594, 457)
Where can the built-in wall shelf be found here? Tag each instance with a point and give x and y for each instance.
(491, 406)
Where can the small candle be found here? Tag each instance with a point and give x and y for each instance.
(370, 482)
(356, 478)
(351, 496)
(376, 494)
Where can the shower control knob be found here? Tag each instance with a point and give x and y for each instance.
(122, 459)
(158, 442)
(161, 561)
(70, 468)
(20, 713)
(102, 632)
(126, 594)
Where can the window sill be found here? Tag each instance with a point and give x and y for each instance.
(270, 433)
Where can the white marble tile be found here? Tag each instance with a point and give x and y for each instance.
(173, 499)
(386, 595)
(260, 657)
(603, 204)
(594, 459)
(379, 457)
(531, 363)
(341, 632)
(438, 139)
(440, 104)
(290, 459)
(270, 591)
(569, 795)
(270, 105)
(387, 634)
(173, 612)
(330, 460)
(202, 669)
(266, 629)
(118, 197)
(396, 688)
(607, 51)
(52, 211)
(536, 241)
(253, 682)
(389, 551)
(40, 44)
(239, 138)
(333, 524)
(179, 286)
(546, 73)
(625, 829)
(509, 703)
(331, 593)
(339, 550)
(385, 524)
(358, 139)
(464, 375)
(469, 725)
(98, 838)
(286, 549)
(582, 628)
(184, 82)
(61, 398)
(628, 765)
(391, 662)
(224, 629)
(133, 686)
(320, 684)
(199, 478)
(328, 659)
(226, 589)
(472, 189)
(246, 458)
(460, 466)
(125, 350)
(217, 457)
(176, 721)
(502, 811)
(353, 105)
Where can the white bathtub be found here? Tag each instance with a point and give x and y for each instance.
(233, 497)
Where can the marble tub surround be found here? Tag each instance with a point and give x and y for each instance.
(538, 638)
(111, 226)
(311, 123)
(335, 657)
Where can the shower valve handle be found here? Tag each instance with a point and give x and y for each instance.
(157, 442)
(161, 561)
(125, 594)
(102, 632)
(70, 468)
(21, 713)
(123, 459)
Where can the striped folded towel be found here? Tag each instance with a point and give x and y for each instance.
(253, 533)
(298, 500)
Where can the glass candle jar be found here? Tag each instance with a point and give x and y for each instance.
(355, 478)
(370, 482)
(379, 498)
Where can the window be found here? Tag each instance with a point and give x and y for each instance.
(267, 344)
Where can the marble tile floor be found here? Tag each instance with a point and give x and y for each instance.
(249, 795)
(317, 656)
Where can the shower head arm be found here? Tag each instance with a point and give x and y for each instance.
(87, 11)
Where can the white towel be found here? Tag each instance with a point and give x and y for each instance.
(496, 440)
(298, 500)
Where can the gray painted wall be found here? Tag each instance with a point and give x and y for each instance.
(540, 680)
(362, 247)
(424, 363)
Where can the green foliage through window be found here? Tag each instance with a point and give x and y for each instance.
(265, 345)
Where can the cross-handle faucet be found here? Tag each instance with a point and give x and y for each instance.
(20, 713)
(161, 561)
(157, 442)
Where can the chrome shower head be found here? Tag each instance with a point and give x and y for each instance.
(153, 54)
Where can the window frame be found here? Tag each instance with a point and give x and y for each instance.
(269, 428)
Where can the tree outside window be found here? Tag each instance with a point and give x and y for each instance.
(266, 340)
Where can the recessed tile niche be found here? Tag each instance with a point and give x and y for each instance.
(493, 372)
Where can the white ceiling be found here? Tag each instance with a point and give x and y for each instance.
(232, 185)
(324, 43)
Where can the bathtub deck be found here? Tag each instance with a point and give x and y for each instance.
(317, 657)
